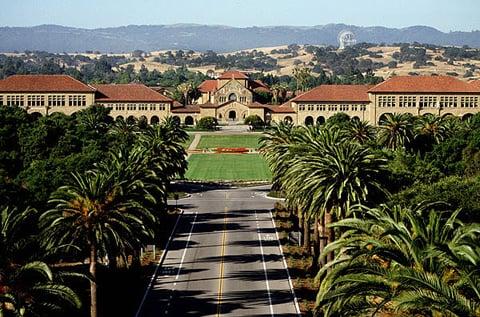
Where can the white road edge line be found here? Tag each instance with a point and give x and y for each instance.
(265, 269)
(297, 307)
(186, 246)
(159, 263)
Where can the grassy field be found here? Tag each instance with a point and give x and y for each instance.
(187, 143)
(231, 167)
(214, 141)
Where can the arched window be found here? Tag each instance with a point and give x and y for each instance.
(320, 120)
(154, 120)
(232, 97)
(189, 120)
(309, 120)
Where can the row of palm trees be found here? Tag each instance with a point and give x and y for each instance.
(109, 212)
(409, 261)
(326, 173)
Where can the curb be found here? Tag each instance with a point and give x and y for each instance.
(159, 264)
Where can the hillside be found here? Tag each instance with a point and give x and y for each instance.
(380, 59)
(55, 38)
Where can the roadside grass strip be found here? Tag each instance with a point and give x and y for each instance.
(227, 167)
(229, 141)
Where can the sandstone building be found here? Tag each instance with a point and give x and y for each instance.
(234, 96)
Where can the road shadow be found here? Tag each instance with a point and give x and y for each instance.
(259, 275)
(247, 258)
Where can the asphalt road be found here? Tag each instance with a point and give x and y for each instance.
(224, 260)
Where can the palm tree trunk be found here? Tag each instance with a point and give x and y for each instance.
(93, 281)
(322, 237)
(330, 234)
(306, 235)
(316, 246)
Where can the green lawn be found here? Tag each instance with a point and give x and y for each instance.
(231, 167)
(187, 143)
(214, 141)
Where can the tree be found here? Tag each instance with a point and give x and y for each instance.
(330, 175)
(100, 212)
(185, 89)
(395, 130)
(361, 131)
(254, 121)
(429, 130)
(28, 288)
(207, 123)
(410, 261)
(302, 76)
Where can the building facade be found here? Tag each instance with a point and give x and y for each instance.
(234, 96)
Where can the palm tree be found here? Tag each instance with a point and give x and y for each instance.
(98, 212)
(28, 288)
(413, 261)
(429, 130)
(331, 175)
(395, 130)
(185, 89)
(275, 93)
(360, 131)
(301, 75)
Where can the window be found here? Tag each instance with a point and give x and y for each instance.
(301, 107)
(386, 101)
(354, 108)
(407, 101)
(427, 102)
(469, 102)
(243, 99)
(56, 100)
(363, 107)
(131, 107)
(448, 102)
(310, 107)
(35, 101)
(15, 100)
(222, 99)
(162, 107)
(332, 107)
(119, 107)
(344, 108)
(153, 107)
(142, 106)
(77, 100)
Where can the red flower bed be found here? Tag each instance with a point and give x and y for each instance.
(231, 150)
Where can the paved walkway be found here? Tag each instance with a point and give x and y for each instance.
(195, 142)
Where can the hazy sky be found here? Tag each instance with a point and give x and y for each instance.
(445, 15)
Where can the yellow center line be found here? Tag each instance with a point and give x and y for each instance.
(220, 286)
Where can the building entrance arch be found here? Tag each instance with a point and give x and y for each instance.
(232, 115)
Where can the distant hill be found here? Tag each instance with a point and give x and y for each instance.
(54, 38)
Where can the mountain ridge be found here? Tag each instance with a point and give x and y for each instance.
(220, 38)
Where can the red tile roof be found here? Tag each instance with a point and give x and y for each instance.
(257, 85)
(424, 84)
(128, 93)
(43, 83)
(475, 84)
(336, 93)
(285, 108)
(209, 85)
(187, 109)
(233, 74)
(256, 105)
